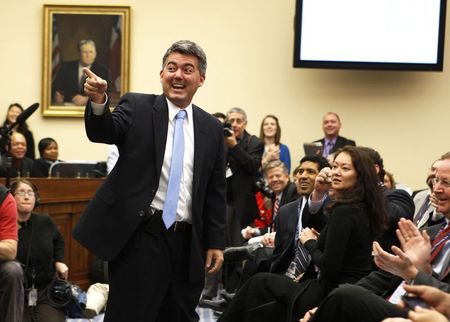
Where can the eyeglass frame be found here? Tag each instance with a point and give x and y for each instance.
(22, 193)
(444, 182)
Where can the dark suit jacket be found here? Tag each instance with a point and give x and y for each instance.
(400, 205)
(289, 194)
(286, 225)
(383, 283)
(67, 81)
(138, 126)
(244, 160)
(25, 167)
(340, 143)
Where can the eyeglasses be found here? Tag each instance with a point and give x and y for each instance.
(443, 182)
(25, 193)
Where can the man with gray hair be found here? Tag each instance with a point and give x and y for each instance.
(159, 217)
(243, 159)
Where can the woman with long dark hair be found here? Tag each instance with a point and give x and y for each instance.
(14, 110)
(341, 253)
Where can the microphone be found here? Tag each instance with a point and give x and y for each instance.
(26, 114)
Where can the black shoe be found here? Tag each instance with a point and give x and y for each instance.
(237, 254)
(227, 296)
(217, 305)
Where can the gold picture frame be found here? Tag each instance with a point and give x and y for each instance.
(103, 32)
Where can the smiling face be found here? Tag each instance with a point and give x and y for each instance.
(331, 125)
(51, 152)
(343, 173)
(270, 127)
(277, 179)
(180, 78)
(306, 177)
(18, 145)
(441, 187)
(13, 113)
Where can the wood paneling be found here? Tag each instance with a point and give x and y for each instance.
(64, 200)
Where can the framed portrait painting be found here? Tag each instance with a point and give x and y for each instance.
(96, 37)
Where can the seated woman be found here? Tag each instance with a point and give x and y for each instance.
(270, 134)
(341, 253)
(41, 252)
(48, 150)
(14, 110)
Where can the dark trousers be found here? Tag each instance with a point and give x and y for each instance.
(149, 280)
(11, 291)
(232, 271)
(43, 311)
(351, 303)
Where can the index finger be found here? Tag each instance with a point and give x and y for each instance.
(89, 73)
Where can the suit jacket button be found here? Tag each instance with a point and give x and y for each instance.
(141, 213)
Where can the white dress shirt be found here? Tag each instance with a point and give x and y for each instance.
(184, 209)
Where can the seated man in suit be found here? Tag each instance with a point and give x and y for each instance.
(331, 125)
(425, 214)
(20, 165)
(419, 261)
(279, 246)
(303, 212)
(281, 190)
(68, 86)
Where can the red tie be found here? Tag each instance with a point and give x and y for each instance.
(439, 242)
(276, 206)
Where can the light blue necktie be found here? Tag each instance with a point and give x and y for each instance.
(176, 170)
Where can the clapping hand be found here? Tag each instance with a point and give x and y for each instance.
(415, 244)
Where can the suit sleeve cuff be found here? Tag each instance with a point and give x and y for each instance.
(99, 109)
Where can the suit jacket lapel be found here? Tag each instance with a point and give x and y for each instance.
(160, 126)
(199, 151)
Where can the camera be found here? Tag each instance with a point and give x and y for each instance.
(59, 293)
(261, 186)
(227, 130)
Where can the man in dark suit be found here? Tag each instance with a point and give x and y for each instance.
(68, 86)
(287, 222)
(243, 156)
(20, 164)
(157, 243)
(417, 262)
(243, 153)
(331, 125)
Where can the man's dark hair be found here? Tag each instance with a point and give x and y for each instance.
(187, 47)
(377, 159)
(317, 159)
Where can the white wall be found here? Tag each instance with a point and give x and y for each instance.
(249, 44)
